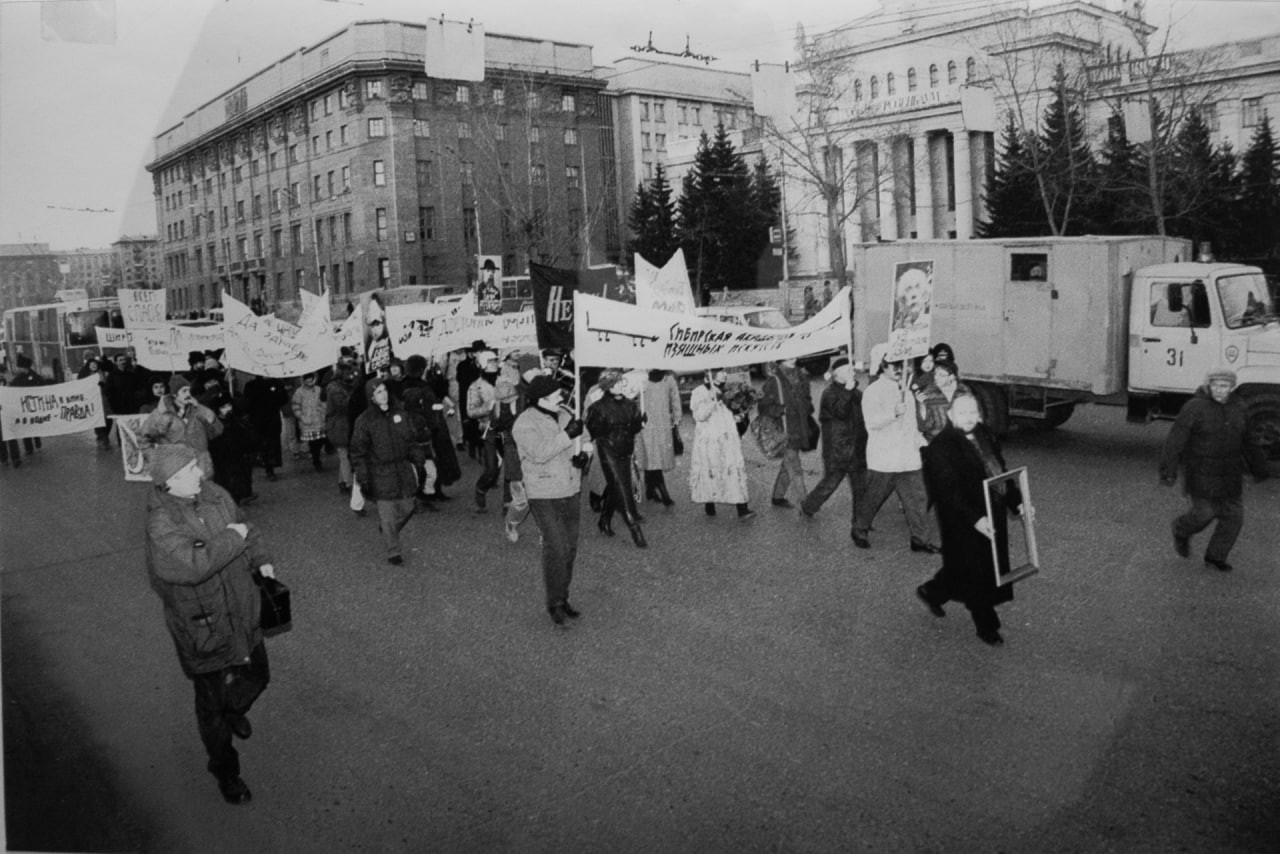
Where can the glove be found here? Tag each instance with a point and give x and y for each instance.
(573, 428)
(580, 460)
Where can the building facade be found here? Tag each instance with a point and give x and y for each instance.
(344, 167)
(136, 262)
(90, 270)
(29, 275)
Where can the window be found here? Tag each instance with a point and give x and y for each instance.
(533, 101)
(315, 144)
(319, 226)
(682, 113)
(295, 194)
(570, 136)
(568, 103)
(195, 225)
(535, 134)
(379, 174)
(970, 69)
(328, 104)
(242, 248)
(293, 153)
(644, 142)
(1179, 304)
(372, 89)
(857, 90)
(890, 84)
(644, 111)
(468, 173)
(464, 130)
(257, 205)
(208, 186)
(377, 128)
(254, 167)
(648, 170)
(1028, 267)
(911, 80)
(329, 182)
(275, 199)
(380, 217)
(571, 177)
(351, 275)
(342, 135)
(237, 175)
(295, 238)
(659, 111)
(951, 72)
(420, 91)
(346, 228)
(299, 280)
(225, 219)
(257, 244)
(279, 295)
(333, 231)
(328, 140)
(199, 260)
(660, 140)
(500, 132)
(933, 76)
(277, 243)
(315, 110)
(346, 179)
(498, 96)
(1251, 112)
(424, 173)
(422, 128)
(343, 100)
(427, 223)
(875, 88)
(384, 272)
(697, 115)
(213, 255)
(315, 187)
(273, 160)
(538, 173)
(324, 279)
(1209, 112)
(462, 94)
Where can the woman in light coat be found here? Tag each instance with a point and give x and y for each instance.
(309, 410)
(655, 452)
(717, 470)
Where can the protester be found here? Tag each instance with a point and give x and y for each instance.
(337, 424)
(420, 395)
(544, 436)
(956, 464)
(126, 386)
(717, 470)
(25, 376)
(94, 367)
(233, 450)
(309, 412)
(180, 419)
(194, 374)
(9, 450)
(480, 399)
(613, 422)
(159, 388)
(786, 399)
(934, 392)
(383, 453)
(1209, 441)
(200, 558)
(844, 441)
(811, 305)
(508, 404)
(655, 452)
(467, 372)
(893, 456)
(264, 397)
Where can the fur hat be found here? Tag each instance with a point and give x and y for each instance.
(609, 378)
(178, 383)
(168, 460)
(1221, 374)
(540, 387)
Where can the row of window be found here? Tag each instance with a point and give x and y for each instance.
(688, 113)
(462, 94)
(891, 81)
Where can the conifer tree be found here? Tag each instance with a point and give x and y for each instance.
(1012, 196)
(715, 218)
(652, 221)
(1121, 207)
(1259, 200)
(1065, 168)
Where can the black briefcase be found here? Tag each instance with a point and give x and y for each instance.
(277, 610)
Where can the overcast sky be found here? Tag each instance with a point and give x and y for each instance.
(77, 121)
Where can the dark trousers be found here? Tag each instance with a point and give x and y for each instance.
(489, 456)
(1230, 515)
(557, 520)
(790, 475)
(222, 696)
(393, 515)
(619, 490)
(9, 450)
(910, 488)
(316, 447)
(827, 486)
(938, 591)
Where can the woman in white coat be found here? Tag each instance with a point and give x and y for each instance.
(717, 471)
(655, 450)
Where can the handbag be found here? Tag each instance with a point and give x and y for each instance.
(277, 610)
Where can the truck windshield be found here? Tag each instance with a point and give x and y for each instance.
(1246, 300)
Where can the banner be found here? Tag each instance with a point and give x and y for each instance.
(432, 330)
(614, 334)
(164, 347)
(910, 315)
(128, 428)
(665, 288)
(51, 410)
(141, 308)
(553, 291)
(270, 347)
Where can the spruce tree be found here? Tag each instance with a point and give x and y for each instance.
(716, 223)
(652, 221)
(1012, 196)
(1122, 206)
(1065, 168)
(1200, 201)
(1259, 200)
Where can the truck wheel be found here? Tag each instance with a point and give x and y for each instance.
(1264, 424)
(994, 406)
(1056, 416)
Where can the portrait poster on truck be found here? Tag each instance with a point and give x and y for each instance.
(911, 311)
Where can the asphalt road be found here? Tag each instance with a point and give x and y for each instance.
(757, 687)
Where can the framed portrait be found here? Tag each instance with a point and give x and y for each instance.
(1014, 552)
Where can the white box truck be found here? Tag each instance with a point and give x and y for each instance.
(1041, 324)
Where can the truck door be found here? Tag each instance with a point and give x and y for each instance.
(1028, 313)
(1179, 343)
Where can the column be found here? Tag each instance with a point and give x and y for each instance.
(963, 183)
(924, 200)
(887, 181)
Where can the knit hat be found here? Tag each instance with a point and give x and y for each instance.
(373, 385)
(540, 387)
(168, 460)
(179, 382)
(1221, 374)
(609, 378)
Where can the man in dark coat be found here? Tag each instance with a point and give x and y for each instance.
(200, 558)
(384, 453)
(1209, 441)
(956, 465)
(468, 371)
(844, 440)
(419, 396)
(264, 396)
(786, 399)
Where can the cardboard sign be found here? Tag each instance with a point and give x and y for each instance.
(51, 410)
(141, 308)
(132, 453)
(911, 315)
(268, 347)
(665, 288)
(432, 329)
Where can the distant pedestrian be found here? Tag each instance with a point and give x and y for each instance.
(25, 376)
(1209, 441)
(480, 399)
(655, 450)
(337, 423)
(844, 441)
(309, 411)
(786, 400)
(233, 450)
(811, 305)
(264, 397)
(200, 558)
(717, 469)
(826, 293)
(384, 452)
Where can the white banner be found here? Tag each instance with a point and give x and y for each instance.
(911, 315)
(431, 329)
(136, 465)
(607, 333)
(141, 308)
(664, 288)
(273, 348)
(164, 347)
(51, 410)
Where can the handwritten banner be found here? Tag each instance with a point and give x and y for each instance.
(141, 308)
(51, 410)
(164, 347)
(132, 453)
(613, 334)
(269, 347)
(665, 288)
(431, 329)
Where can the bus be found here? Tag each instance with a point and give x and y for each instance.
(59, 337)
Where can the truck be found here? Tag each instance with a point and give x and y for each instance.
(1040, 325)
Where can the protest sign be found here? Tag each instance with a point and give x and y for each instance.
(116, 338)
(489, 285)
(553, 291)
(164, 347)
(132, 454)
(51, 410)
(268, 347)
(614, 334)
(665, 288)
(910, 315)
(433, 329)
(141, 308)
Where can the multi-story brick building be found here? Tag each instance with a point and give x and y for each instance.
(343, 166)
(136, 262)
(29, 274)
(90, 270)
